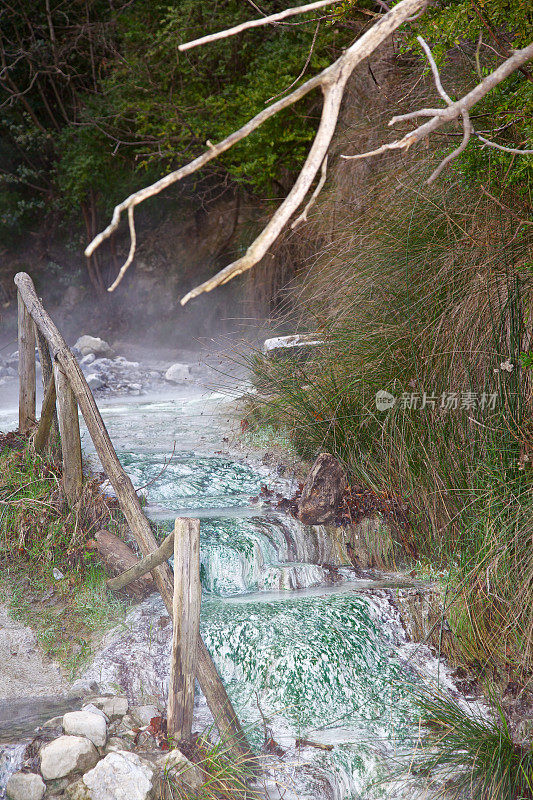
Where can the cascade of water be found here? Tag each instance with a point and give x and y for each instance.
(306, 651)
(309, 652)
(11, 759)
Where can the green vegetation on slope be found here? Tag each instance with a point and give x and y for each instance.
(51, 576)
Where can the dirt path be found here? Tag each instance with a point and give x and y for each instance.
(24, 670)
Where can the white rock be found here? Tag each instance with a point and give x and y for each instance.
(95, 710)
(88, 359)
(25, 786)
(192, 775)
(92, 344)
(94, 382)
(65, 755)
(85, 723)
(119, 776)
(113, 707)
(296, 342)
(178, 373)
(143, 714)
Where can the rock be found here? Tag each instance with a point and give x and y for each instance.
(54, 722)
(85, 723)
(119, 776)
(25, 786)
(88, 359)
(118, 557)
(322, 491)
(190, 774)
(95, 710)
(92, 344)
(178, 373)
(143, 714)
(66, 755)
(112, 707)
(297, 346)
(94, 381)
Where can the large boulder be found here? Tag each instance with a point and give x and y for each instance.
(323, 491)
(92, 344)
(25, 786)
(66, 755)
(178, 373)
(113, 707)
(86, 723)
(119, 776)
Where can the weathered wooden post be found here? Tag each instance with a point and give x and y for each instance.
(47, 417)
(69, 429)
(186, 628)
(47, 376)
(26, 343)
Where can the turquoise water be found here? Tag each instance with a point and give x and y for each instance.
(304, 655)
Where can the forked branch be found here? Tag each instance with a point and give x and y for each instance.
(453, 110)
(332, 81)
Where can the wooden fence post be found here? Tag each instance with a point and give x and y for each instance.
(215, 693)
(26, 342)
(47, 376)
(47, 417)
(69, 429)
(186, 628)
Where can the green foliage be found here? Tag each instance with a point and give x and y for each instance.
(484, 32)
(427, 299)
(40, 533)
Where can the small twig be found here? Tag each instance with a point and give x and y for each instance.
(153, 480)
(131, 254)
(312, 200)
(467, 128)
(304, 68)
(436, 75)
(442, 116)
(502, 147)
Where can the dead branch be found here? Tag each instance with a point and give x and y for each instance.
(332, 81)
(312, 200)
(255, 23)
(453, 110)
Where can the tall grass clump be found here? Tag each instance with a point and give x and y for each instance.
(469, 753)
(427, 296)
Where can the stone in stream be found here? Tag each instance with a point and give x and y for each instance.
(92, 344)
(119, 776)
(322, 491)
(85, 723)
(112, 707)
(94, 381)
(25, 786)
(178, 373)
(66, 755)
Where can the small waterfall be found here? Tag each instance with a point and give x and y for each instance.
(11, 759)
(311, 655)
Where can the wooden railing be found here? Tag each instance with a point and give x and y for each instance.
(66, 389)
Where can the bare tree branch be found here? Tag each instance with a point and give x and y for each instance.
(332, 81)
(256, 23)
(312, 200)
(501, 146)
(454, 110)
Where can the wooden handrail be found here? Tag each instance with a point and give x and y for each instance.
(215, 693)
